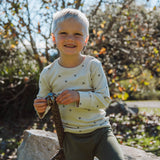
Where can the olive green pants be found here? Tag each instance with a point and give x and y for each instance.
(100, 143)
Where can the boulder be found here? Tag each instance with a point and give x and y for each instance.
(131, 153)
(37, 145)
(42, 145)
(118, 106)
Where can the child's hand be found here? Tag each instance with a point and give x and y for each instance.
(67, 97)
(40, 105)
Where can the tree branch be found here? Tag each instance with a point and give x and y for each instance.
(33, 45)
(96, 9)
(114, 19)
(78, 4)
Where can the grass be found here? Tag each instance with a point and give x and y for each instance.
(141, 131)
(149, 110)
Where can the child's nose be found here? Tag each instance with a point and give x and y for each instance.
(70, 37)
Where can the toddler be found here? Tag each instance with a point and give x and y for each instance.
(87, 130)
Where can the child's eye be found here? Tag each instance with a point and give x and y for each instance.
(63, 33)
(78, 34)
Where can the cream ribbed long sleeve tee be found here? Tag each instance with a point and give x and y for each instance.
(89, 115)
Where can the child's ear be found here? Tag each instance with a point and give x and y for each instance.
(53, 38)
(86, 40)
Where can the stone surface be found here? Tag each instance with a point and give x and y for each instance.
(37, 145)
(131, 153)
(118, 106)
(42, 145)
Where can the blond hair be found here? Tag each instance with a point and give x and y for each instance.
(67, 13)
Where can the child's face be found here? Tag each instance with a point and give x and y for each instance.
(70, 37)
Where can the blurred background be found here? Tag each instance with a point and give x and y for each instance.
(124, 36)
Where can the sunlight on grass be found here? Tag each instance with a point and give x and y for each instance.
(149, 110)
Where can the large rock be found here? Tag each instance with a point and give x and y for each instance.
(131, 153)
(37, 145)
(42, 145)
(118, 106)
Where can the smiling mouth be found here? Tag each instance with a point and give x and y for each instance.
(70, 46)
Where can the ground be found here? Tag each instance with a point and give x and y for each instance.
(141, 131)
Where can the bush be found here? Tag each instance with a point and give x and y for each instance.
(140, 131)
(146, 96)
(143, 87)
(18, 84)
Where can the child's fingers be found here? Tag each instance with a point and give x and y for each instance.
(62, 96)
(39, 100)
(40, 105)
(65, 94)
(66, 101)
(40, 109)
(67, 97)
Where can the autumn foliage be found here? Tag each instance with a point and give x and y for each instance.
(123, 35)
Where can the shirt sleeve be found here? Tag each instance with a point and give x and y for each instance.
(44, 89)
(100, 97)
